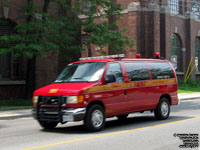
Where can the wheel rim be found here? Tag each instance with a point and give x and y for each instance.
(97, 118)
(164, 109)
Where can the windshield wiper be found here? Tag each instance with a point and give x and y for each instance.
(84, 80)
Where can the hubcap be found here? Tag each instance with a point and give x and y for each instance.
(97, 118)
(164, 109)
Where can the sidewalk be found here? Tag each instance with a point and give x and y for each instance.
(14, 114)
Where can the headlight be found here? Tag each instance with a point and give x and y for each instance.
(75, 99)
(35, 99)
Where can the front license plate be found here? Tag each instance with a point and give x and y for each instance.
(68, 118)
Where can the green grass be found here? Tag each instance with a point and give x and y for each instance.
(15, 108)
(188, 89)
(16, 102)
(190, 86)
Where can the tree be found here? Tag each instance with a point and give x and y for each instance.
(47, 32)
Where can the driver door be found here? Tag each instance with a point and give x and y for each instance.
(115, 93)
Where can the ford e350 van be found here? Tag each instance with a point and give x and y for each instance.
(98, 87)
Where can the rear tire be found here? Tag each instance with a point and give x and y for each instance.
(48, 124)
(95, 118)
(163, 109)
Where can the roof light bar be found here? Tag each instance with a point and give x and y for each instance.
(103, 57)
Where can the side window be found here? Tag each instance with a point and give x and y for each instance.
(115, 69)
(137, 71)
(160, 70)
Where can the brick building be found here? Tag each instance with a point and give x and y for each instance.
(171, 27)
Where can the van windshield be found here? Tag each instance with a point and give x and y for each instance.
(82, 72)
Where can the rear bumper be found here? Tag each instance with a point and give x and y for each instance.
(65, 115)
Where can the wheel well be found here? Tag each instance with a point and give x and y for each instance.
(98, 102)
(166, 96)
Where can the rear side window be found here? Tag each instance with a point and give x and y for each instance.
(160, 70)
(137, 71)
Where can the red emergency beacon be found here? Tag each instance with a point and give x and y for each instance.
(138, 56)
(157, 55)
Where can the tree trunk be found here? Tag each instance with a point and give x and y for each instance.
(46, 6)
(31, 66)
(30, 78)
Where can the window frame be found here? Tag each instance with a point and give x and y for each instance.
(13, 66)
(167, 76)
(197, 53)
(7, 27)
(174, 6)
(122, 72)
(196, 9)
(177, 54)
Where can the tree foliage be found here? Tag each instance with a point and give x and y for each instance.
(42, 33)
(56, 27)
(106, 32)
(47, 32)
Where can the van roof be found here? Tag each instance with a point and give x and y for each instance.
(143, 59)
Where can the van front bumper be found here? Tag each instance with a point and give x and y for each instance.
(64, 115)
(74, 114)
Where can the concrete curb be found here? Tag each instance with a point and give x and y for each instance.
(15, 117)
(193, 98)
(15, 114)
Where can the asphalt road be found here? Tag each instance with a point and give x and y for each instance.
(139, 132)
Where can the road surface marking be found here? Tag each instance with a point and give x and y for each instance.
(108, 134)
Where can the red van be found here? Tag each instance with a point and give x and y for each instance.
(99, 87)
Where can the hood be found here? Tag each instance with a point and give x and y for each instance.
(57, 89)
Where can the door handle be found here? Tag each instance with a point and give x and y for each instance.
(125, 92)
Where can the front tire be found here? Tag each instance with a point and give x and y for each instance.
(95, 118)
(163, 109)
(48, 125)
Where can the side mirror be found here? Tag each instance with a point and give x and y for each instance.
(110, 78)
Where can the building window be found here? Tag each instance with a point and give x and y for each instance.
(197, 53)
(176, 55)
(196, 8)
(174, 6)
(9, 67)
(84, 5)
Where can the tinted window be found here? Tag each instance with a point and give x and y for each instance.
(137, 71)
(115, 69)
(160, 70)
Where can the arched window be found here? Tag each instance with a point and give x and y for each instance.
(176, 58)
(197, 53)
